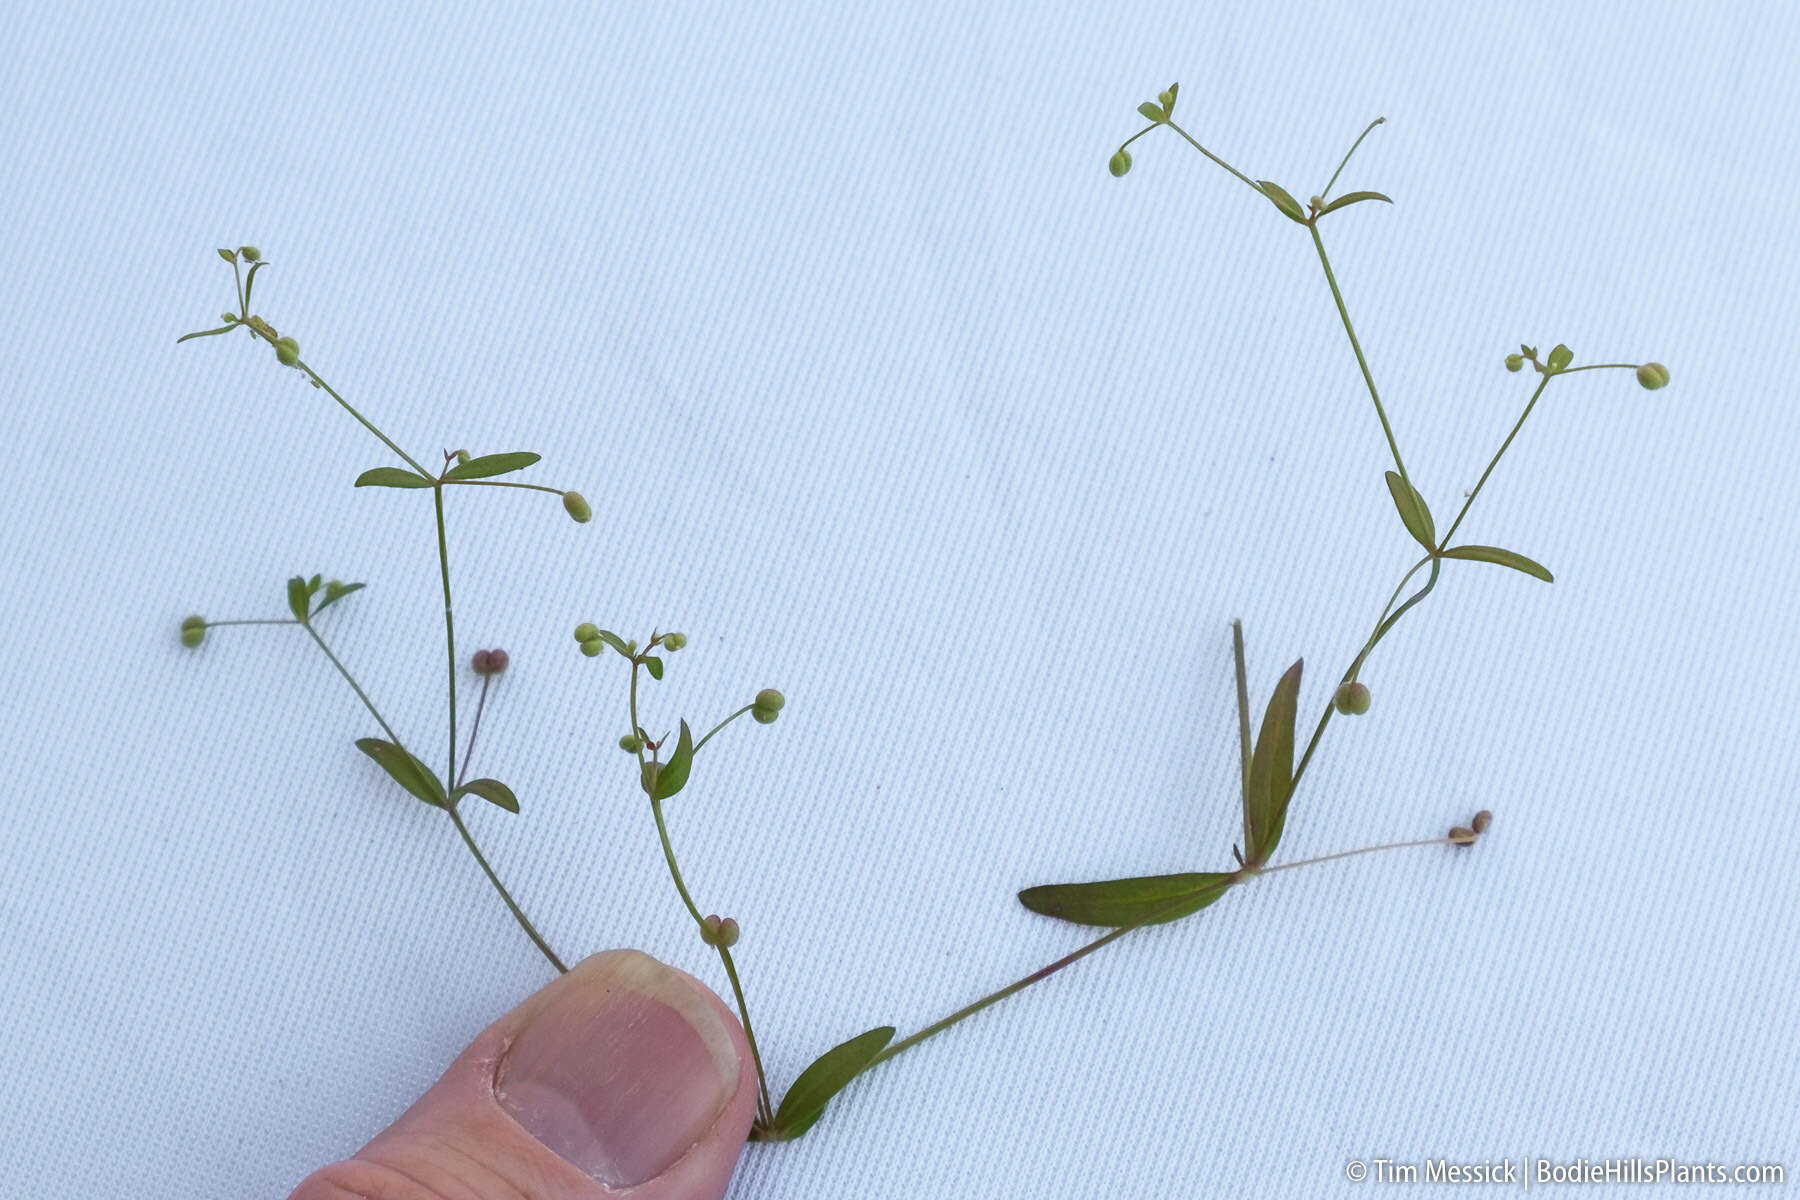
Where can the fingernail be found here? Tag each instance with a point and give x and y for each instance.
(625, 1069)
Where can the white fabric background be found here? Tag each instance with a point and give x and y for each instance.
(887, 394)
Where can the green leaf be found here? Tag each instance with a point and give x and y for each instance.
(207, 332)
(491, 790)
(229, 256)
(250, 282)
(1167, 99)
(1413, 511)
(615, 641)
(335, 591)
(1153, 111)
(1353, 198)
(1505, 558)
(392, 477)
(672, 776)
(492, 464)
(829, 1074)
(404, 769)
(1560, 357)
(1119, 902)
(654, 665)
(299, 599)
(1272, 770)
(1286, 203)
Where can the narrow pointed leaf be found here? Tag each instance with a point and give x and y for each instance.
(654, 665)
(492, 464)
(335, 591)
(299, 599)
(615, 641)
(1286, 203)
(1354, 198)
(392, 477)
(672, 776)
(1119, 902)
(1505, 558)
(207, 332)
(491, 790)
(1152, 111)
(404, 769)
(250, 282)
(1413, 511)
(829, 1074)
(1272, 770)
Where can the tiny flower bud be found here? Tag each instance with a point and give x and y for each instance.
(1317, 202)
(1482, 820)
(587, 631)
(592, 646)
(1653, 376)
(481, 663)
(193, 631)
(674, 641)
(250, 253)
(228, 318)
(462, 458)
(490, 662)
(1515, 362)
(1352, 699)
(1462, 835)
(770, 699)
(728, 932)
(577, 507)
(631, 743)
(709, 929)
(287, 351)
(1118, 164)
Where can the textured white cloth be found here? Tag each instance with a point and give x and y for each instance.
(889, 396)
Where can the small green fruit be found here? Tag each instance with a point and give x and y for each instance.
(592, 647)
(1352, 699)
(631, 743)
(587, 631)
(674, 641)
(228, 318)
(1119, 163)
(1653, 376)
(709, 929)
(727, 936)
(193, 631)
(1515, 362)
(764, 716)
(770, 699)
(250, 253)
(287, 351)
(577, 507)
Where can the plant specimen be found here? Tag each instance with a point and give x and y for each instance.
(663, 763)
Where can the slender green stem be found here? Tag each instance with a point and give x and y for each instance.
(1362, 362)
(1601, 367)
(354, 686)
(437, 495)
(1326, 194)
(1106, 939)
(1495, 461)
(253, 621)
(1248, 182)
(722, 724)
(535, 487)
(1324, 858)
(1243, 703)
(537, 939)
(474, 729)
(313, 375)
(766, 1105)
(662, 832)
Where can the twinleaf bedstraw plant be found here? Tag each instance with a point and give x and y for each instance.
(664, 763)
